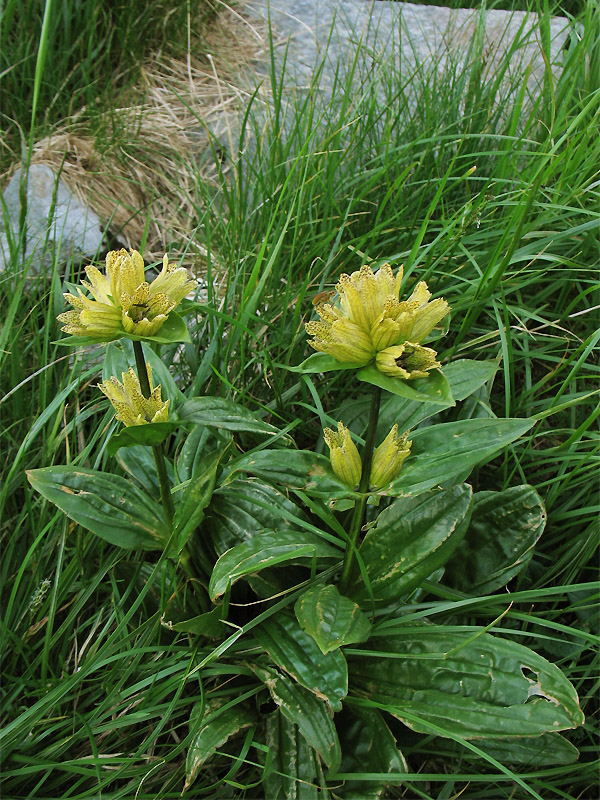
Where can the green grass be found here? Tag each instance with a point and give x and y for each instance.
(96, 694)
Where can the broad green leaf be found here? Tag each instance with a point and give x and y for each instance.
(411, 539)
(296, 653)
(469, 684)
(465, 376)
(295, 771)
(211, 728)
(138, 462)
(208, 624)
(549, 750)
(322, 362)
(305, 710)
(368, 746)
(220, 413)
(443, 453)
(331, 619)
(149, 435)
(198, 444)
(245, 508)
(172, 331)
(295, 469)
(110, 506)
(267, 550)
(434, 389)
(503, 530)
(196, 496)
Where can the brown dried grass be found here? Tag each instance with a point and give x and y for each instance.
(138, 166)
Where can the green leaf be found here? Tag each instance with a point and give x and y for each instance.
(446, 452)
(172, 331)
(220, 413)
(295, 771)
(465, 376)
(411, 539)
(138, 462)
(434, 389)
(267, 550)
(198, 444)
(322, 362)
(151, 434)
(465, 683)
(210, 729)
(499, 541)
(295, 469)
(549, 750)
(331, 619)
(189, 510)
(245, 508)
(108, 505)
(305, 710)
(368, 746)
(208, 624)
(296, 653)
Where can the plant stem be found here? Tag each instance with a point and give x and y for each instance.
(359, 509)
(157, 450)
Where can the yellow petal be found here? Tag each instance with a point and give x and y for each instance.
(344, 456)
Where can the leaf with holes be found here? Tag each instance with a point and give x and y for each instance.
(331, 619)
(465, 683)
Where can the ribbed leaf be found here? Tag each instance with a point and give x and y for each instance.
(194, 499)
(210, 729)
(305, 710)
(149, 435)
(295, 771)
(245, 508)
(331, 619)
(368, 746)
(412, 538)
(110, 506)
(464, 684)
(434, 389)
(296, 469)
(296, 652)
(551, 749)
(267, 550)
(443, 453)
(503, 530)
(217, 412)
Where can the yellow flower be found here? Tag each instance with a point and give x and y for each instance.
(407, 361)
(345, 460)
(123, 300)
(388, 458)
(130, 405)
(368, 318)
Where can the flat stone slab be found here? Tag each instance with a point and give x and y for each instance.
(409, 39)
(56, 221)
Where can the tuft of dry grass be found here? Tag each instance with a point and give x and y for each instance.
(137, 164)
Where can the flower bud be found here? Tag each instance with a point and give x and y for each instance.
(388, 458)
(345, 460)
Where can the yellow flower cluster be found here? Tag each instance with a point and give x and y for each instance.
(368, 322)
(123, 301)
(387, 458)
(130, 405)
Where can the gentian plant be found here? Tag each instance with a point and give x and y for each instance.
(336, 654)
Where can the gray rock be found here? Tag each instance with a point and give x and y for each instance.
(56, 222)
(412, 43)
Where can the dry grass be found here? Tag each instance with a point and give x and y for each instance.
(137, 165)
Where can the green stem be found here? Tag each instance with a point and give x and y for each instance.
(157, 450)
(356, 522)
